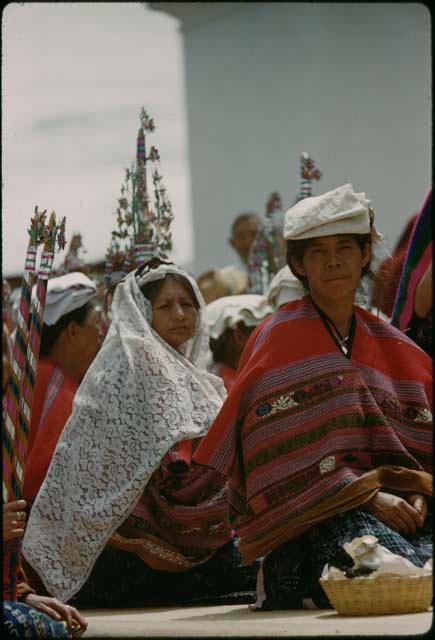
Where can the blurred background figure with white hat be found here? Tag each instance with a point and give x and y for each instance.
(284, 287)
(231, 320)
(232, 279)
(217, 283)
(243, 232)
(71, 337)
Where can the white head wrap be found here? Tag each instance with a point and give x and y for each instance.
(67, 293)
(284, 287)
(339, 211)
(228, 311)
(138, 398)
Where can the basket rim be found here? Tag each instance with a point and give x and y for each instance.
(380, 578)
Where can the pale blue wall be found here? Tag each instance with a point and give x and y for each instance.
(349, 83)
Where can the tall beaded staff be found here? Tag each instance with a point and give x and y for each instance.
(142, 232)
(267, 254)
(25, 355)
(309, 172)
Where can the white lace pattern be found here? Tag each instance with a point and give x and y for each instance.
(138, 398)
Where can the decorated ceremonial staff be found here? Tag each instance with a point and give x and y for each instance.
(37, 234)
(145, 232)
(309, 172)
(266, 255)
(19, 395)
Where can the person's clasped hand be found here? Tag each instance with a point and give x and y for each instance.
(402, 515)
(14, 520)
(52, 607)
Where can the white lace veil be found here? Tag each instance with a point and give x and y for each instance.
(139, 397)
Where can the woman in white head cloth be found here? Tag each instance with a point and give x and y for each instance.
(327, 432)
(231, 320)
(121, 478)
(284, 287)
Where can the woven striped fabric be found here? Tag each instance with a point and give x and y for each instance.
(418, 257)
(181, 519)
(303, 422)
(22, 621)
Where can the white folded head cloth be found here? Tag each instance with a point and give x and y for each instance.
(67, 293)
(340, 211)
(284, 287)
(228, 311)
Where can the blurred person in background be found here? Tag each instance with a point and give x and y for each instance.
(387, 277)
(232, 279)
(243, 233)
(284, 287)
(71, 337)
(217, 283)
(413, 307)
(231, 320)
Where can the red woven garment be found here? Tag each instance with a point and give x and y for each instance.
(302, 421)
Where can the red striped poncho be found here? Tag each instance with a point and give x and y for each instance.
(54, 395)
(306, 432)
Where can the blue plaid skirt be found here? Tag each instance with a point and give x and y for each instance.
(291, 572)
(22, 621)
(122, 579)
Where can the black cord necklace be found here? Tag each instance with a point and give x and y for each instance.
(343, 343)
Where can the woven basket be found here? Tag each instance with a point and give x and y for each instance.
(379, 596)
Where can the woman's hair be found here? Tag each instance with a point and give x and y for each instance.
(220, 346)
(50, 333)
(152, 289)
(296, 250)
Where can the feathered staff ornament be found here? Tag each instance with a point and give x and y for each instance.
(73, 261)
(309, 172)
(266, 255)
(25, 355)
(37, 234)
(146, 231)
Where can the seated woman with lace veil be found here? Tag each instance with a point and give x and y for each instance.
(327, 432)
(123, 517)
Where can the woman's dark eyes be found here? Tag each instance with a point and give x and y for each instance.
(319, 252)
(169, 304)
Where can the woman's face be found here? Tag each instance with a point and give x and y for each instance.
(174, 314)
(332, 266)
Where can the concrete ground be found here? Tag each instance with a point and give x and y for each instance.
(238, 621)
